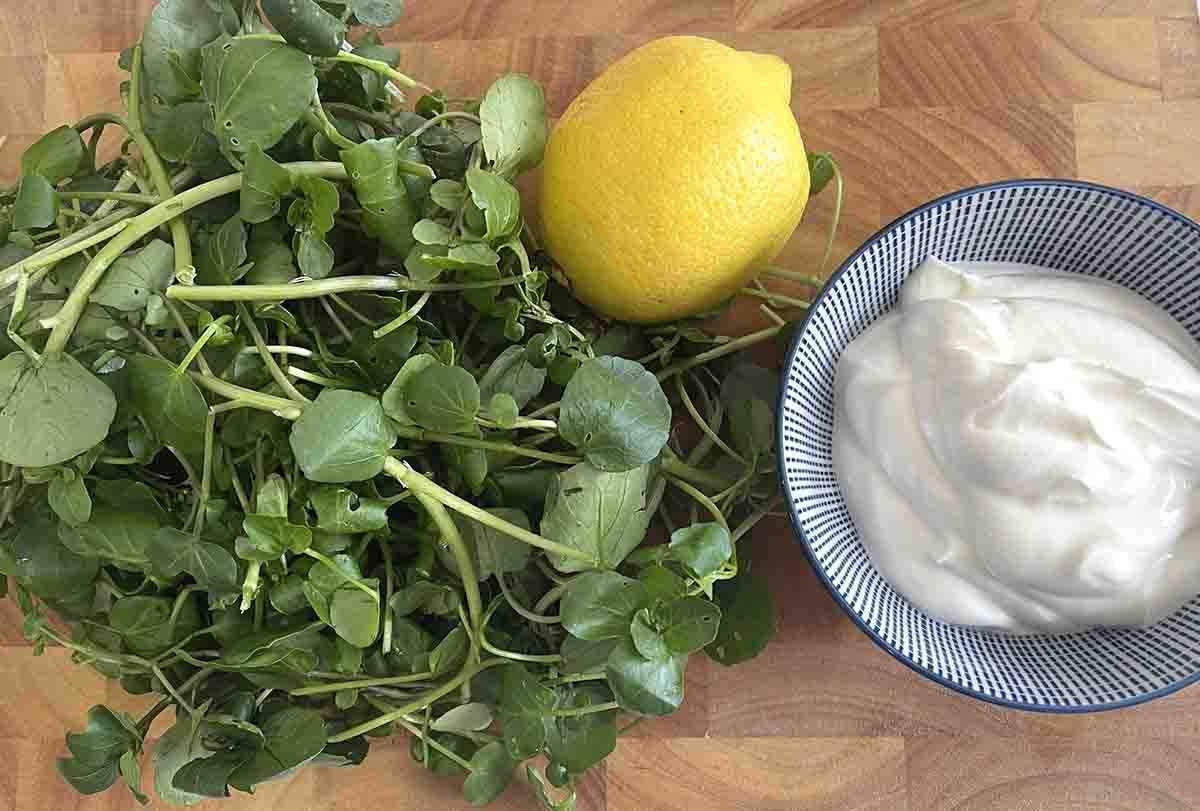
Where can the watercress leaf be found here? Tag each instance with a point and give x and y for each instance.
(388, 213)
(287, 596)
(36, 205)
(183, 133)
(432, 598)
(432, 232)
(328, 580)
(176, 747)
(176, 30)
(120, 537)
(646, 686)
(615, 412)
(273, 260)
(499, 200)
(273, 497)
(582, 656)
(377, 13)
(450, 652)
(524, 704)
(748, 394)
(491, 773)
(258, 89)
(492, 552)
(88, 777)
(169, 402)
(749, 618)
(227, 249)
(135, 277)
(267, 537)
(820, 171)
(145, 623)
(442, 398)
(46, 566)
(211, 565)
(264, 183)
(471, 464)
(600, 605)
(55, 156)
(107, 736)
(313, 255)
(269, 646)
(130, 496)
(410, 646)
(307, 26)
(341, 510)
(469, 256)
(131, 772)
(343, 436)
(321, 201)
(580, 742)
(68, 497)
(511, 373)
(661, 582)
(294, 735)
(503, 409)
(349, 658)
(602, 514)
(473, 717)
(354, 615)
(209, 776)
(687, 624)
(449, 194)
(703, 548)
(514, 127)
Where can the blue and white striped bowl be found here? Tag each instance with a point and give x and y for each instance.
(1062, 224)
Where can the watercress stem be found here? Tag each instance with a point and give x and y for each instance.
(321, 288)
(419, 703)
(404, 317)
(279, 406)
(452, 538)
(413, 729)
(704, 500)
(575, 712)
(332, 566)
(552, 596)
(98, 232)
(422, 435)
(358, 684)
(680, 469)
(730, 348)
(268, 359)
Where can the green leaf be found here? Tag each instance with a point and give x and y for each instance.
(410, 645)
(393, 397)
(121, 537)
(473, 717)
(211, 565)
(55, 156)
(491, 773)
(341, 510)
(662, 583)
(432, 598)
(96, 752)
(602, 514)
(492, 552)
(444, 151)
(388, 213)
(449, 194)
(328, 580)
(511, 373)
(313, 255)
(687, 624)
(615, 412)
(131, 772)
(580, 742)
(48, 567)
(183, 133)
(174, 749)
(314, 213)
(68, 497)
(820, 171)
(469, 463)
(442, 398)
(227, 250)
(377, 13)
(647, 686)
(343, 436)
(600, 605)
(264, 183)
(51, 413)
(582, 656)
(273, 260)
(503, 409)
(145, 622)
(514, 124)
(523, 706)
(294, 735)
(169, 402)
(287, 596)
(267, 537)
(273, 497)
(499, 200)
(749, 618)
(258, 90)
(306, 25)
(703, 548)
(354, 616)
(135, 277)
(470, 256)
(432, 232)
(748, 394)
(36, 205)
(176, 30)
(450, 652)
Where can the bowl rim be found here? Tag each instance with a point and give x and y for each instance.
(797, 526)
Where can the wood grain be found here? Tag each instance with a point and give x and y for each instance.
(916, 98)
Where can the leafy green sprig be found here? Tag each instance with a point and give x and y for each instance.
(302, 433)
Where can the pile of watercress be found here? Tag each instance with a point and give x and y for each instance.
(300, 430)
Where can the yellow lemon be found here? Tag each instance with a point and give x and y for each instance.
(673, 177)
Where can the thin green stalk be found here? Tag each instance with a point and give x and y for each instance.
(413, 729)
(332, 566)
(421, 435)
(268, 359)
(404, 317)
(452, 538)
(704, 500)
(675, 466)
(170, 688)
(383, 69)
(345, 307)
(575, 678)
(438, 119)
(313, 377)
(198, 346)
(711, 434)
(98, 232)
(419, 484)
(418, 703)
(210, 424)
(359, 684)
(321, 287)
(837, 215)
(778, 299)
(591, 709)
(515, 605)
(349, 111)
(552, 596)
(276, 349)
(315, 115)
(385, 548)
(122, 197)
(286, 409)
(734, 346)
(792, 276)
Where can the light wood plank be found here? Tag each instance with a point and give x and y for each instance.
(1179, 45)
(47, 695)
(1033, 62)
(22, 94)
(72, 26)
(1139, 144)
(731, 774)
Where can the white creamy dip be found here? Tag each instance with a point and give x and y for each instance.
(1020, 449)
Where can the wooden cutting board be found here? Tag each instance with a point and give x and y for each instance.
(916, 98)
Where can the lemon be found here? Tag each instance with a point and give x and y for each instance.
(673, 177)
